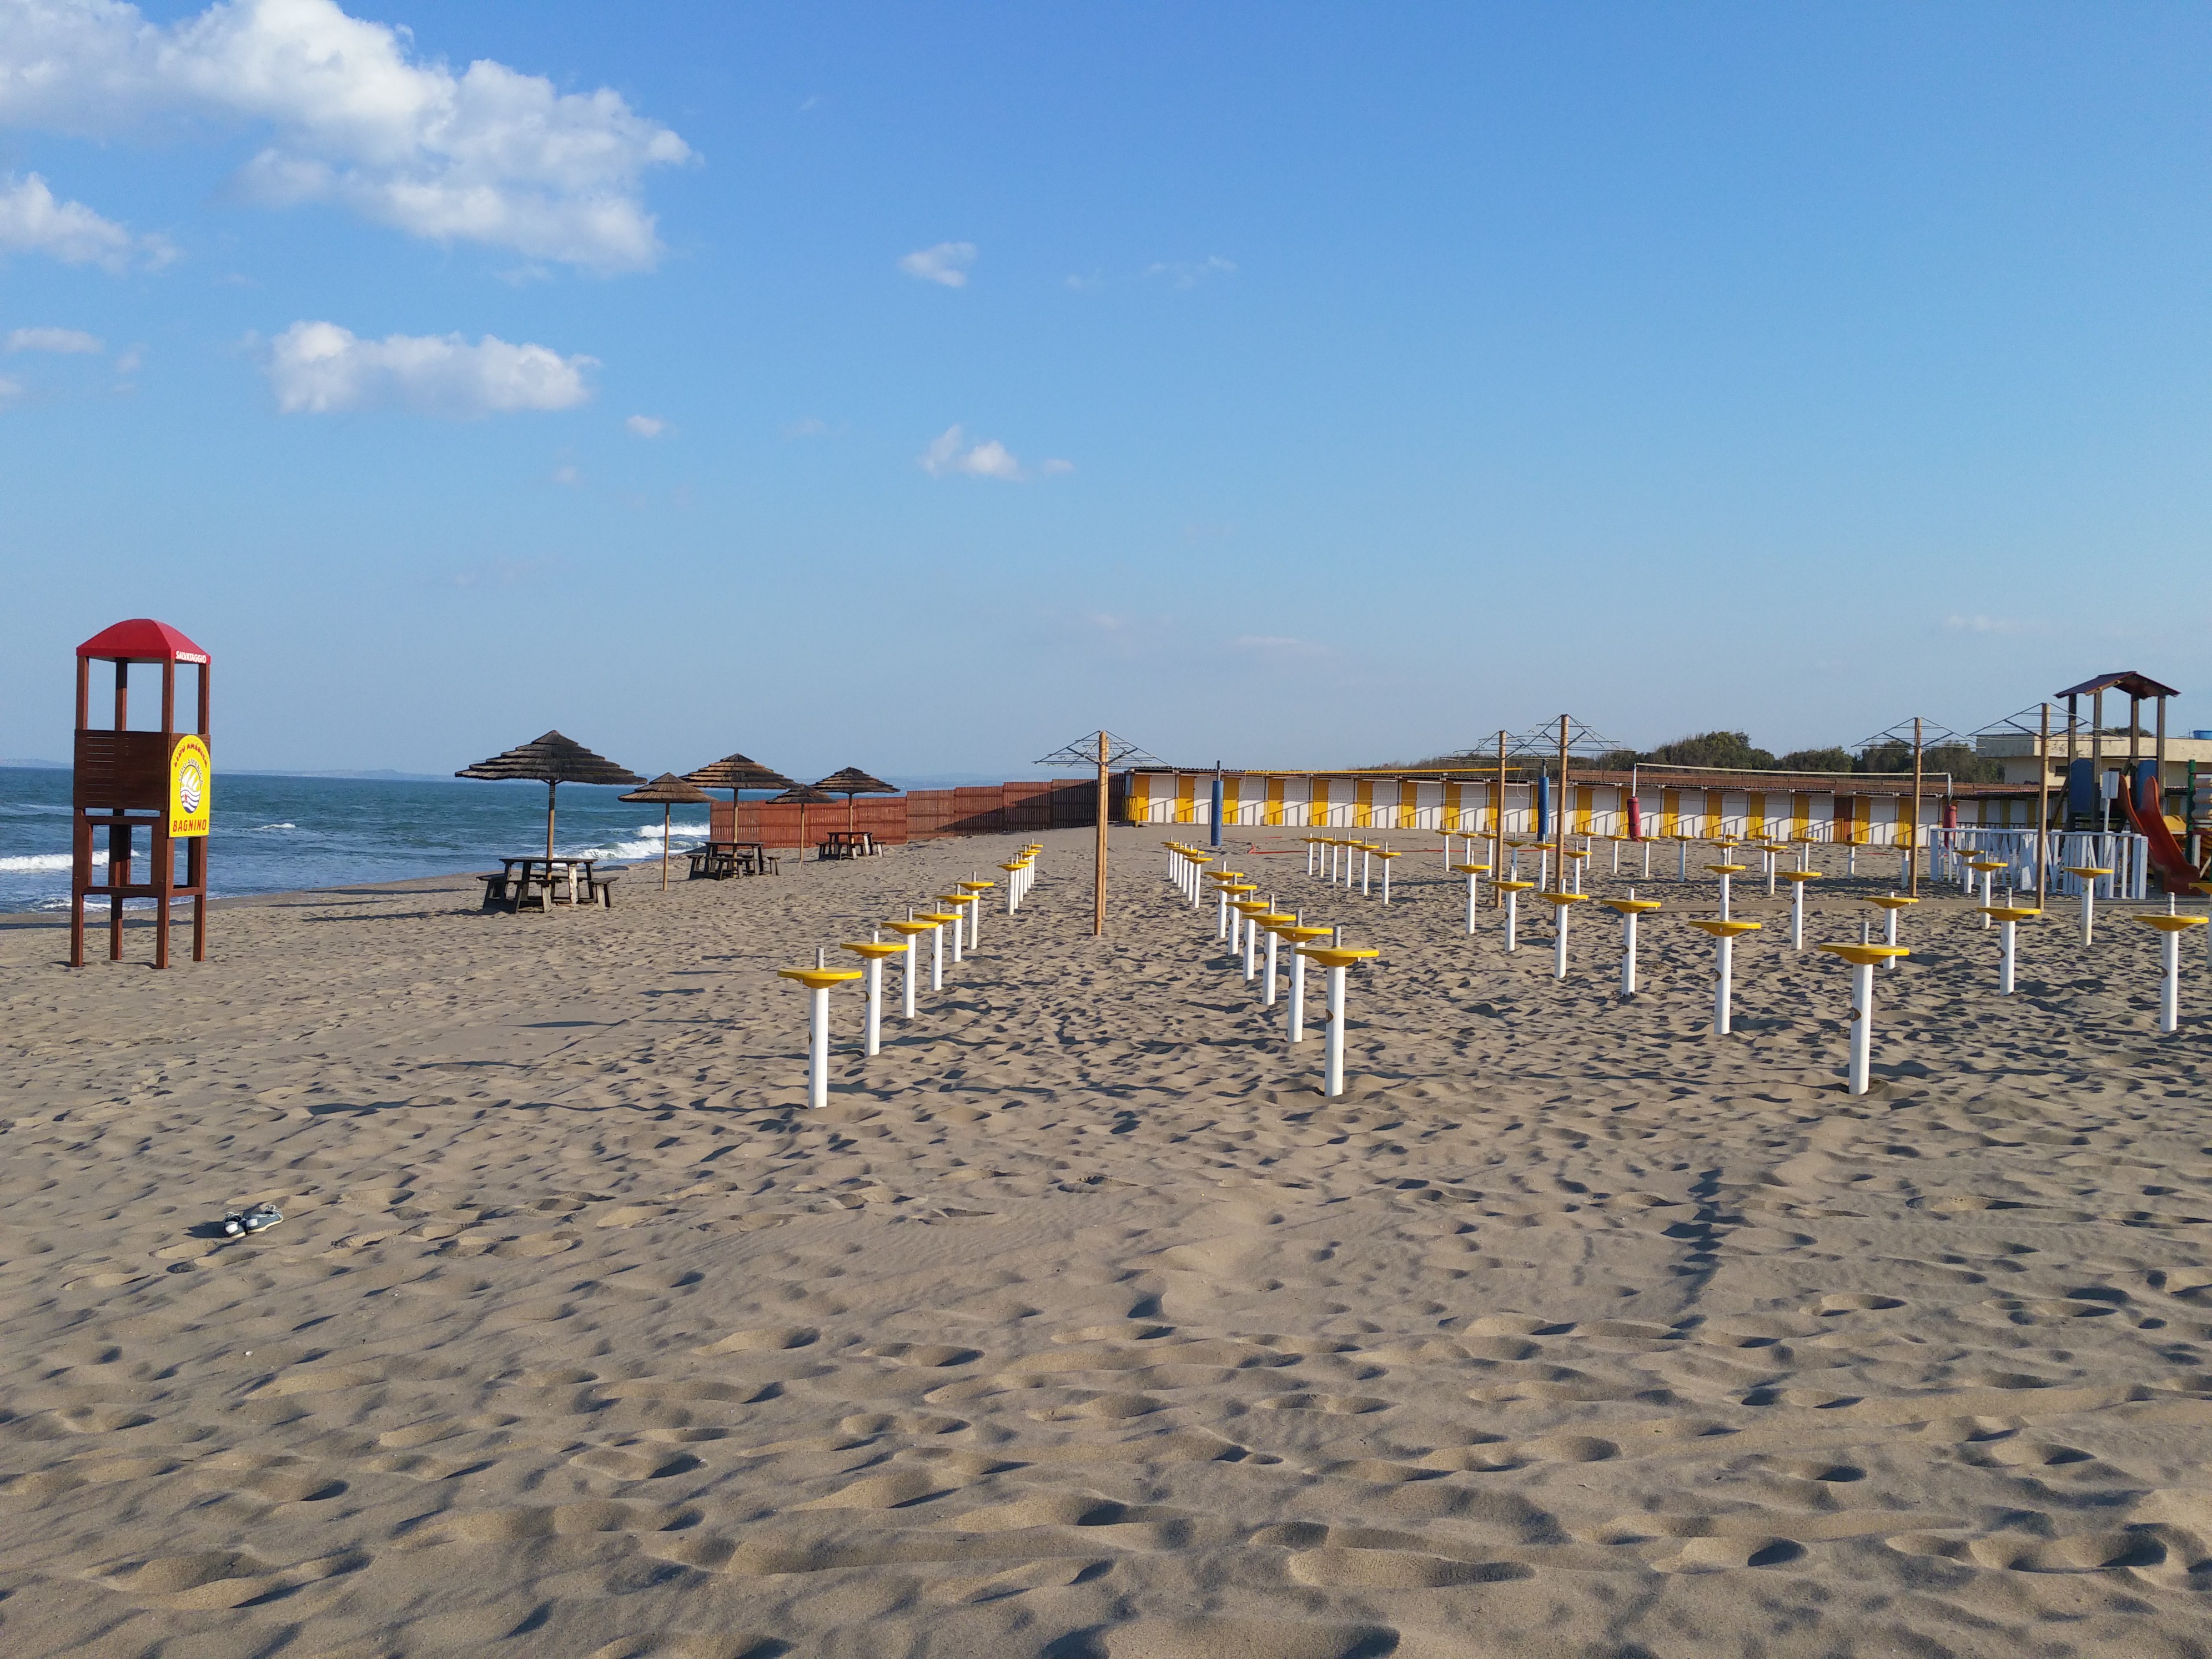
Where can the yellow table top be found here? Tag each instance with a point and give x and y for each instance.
(1865, 955)
(1304, 931)
(2009, 912)
(1512, 886)
(1387, 852)
(2086, 869)
(876, 948)
(1250, 906)
(1890, 902)
(1472, 869)
(1720, 929)
(957, 898)
(1337, 955)
(938, 918)
(1727, 869)
(976, 886)
(911, 929)
(1632, 907)
(819, 979)
(1576, 853)
(1987, 864)
(1799, 875)
(1240, 887)
(1564, 898)
(2170, 923)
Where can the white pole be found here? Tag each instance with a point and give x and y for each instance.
(817, 1047)
(1470, 902)
(1628, 953)
(1559, 943)
(2004, 959)
(2088, 905)
(1988, 876)
(1512, 906)
(1251, 936)
(1723, 985)
(1797, 915)
(959, 929)
(937, 956)
(1365, 861)
(1682, 873)
(1386, 881)
(1889, 931)
(1861, 1023)
(2169, 990)
(974, 920)
(1295, 1018)
(875, 982)
(1724, 894)
(906, 981)
(1267, 996)
(1333, 1084)
(1313, 848)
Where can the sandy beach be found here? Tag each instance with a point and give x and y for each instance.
(1079, 1323)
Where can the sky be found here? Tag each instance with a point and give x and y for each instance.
(921, 388)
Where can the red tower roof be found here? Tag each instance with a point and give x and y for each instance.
(141, 640)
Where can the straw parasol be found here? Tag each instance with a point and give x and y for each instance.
(853, 781)
(804, 795)
(551, 760)
(737, 773)
(668, 789)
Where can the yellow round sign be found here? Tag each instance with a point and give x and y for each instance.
(192, 787)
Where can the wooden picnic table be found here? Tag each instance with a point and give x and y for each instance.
(533, 875)
(719, 860)
(848, 844)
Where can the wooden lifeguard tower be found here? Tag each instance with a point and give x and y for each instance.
(126, 781)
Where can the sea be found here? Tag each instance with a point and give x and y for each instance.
(276, 834)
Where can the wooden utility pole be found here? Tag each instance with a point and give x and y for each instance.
(1498, 830)
(1098, 869)
(2042, 805)
(1914, 865)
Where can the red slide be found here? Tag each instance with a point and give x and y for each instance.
(2175, 873)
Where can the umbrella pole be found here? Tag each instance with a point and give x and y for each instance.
(551, 784)
(667, 812)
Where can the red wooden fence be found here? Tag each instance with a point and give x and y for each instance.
(1020, 808)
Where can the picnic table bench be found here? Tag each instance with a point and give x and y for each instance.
(847, 844)
(535, 879)
(719, 860)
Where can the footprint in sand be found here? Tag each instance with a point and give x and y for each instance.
(769, 1339)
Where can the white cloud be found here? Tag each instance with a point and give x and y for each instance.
(319, 368)
(1185, 275)
(646, 426)
(9, 390)
(487, 155)
(63, 340)
(33, 221)
(1981, 624)
(806, 426)
(947, 263)
(949, 452)
(131, 361)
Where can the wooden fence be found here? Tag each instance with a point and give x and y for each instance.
(997, 808)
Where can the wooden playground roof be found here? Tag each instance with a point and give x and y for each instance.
(2127, 680)
(737, 772)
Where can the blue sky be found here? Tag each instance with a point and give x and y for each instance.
(919, 387)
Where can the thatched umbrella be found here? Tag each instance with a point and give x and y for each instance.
(668, 789)
(735, 773)
(853, 781)
(551, 760)
(805, 795)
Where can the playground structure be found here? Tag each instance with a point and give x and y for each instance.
(123, 780)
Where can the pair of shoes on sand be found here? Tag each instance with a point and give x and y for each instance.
(252, 1221)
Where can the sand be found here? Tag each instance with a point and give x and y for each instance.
(1079, 1323)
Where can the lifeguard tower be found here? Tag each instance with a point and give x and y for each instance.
(126, 781)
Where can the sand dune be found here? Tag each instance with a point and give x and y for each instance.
(1079, 1323)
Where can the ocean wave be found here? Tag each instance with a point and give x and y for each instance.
(260, 827)
(34, 863)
